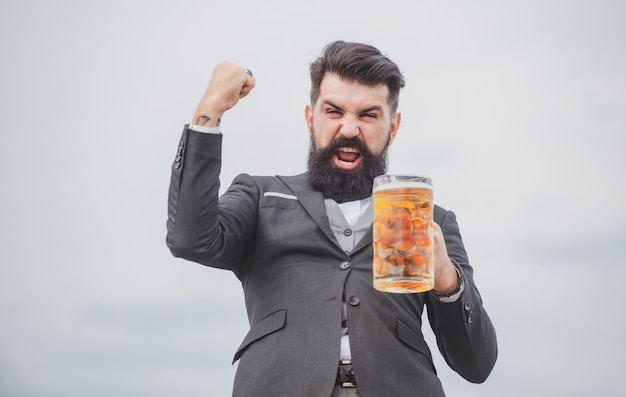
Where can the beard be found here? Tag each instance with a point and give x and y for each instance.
(341, 185)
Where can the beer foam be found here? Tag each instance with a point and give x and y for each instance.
(402, 185)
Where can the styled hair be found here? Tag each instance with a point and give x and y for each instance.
(357, 62)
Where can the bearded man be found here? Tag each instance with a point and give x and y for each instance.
(302, 246)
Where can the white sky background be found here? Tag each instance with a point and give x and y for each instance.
(516, 109)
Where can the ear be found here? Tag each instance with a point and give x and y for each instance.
(308, 116)
(395, 125)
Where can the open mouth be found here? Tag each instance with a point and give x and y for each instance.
(347, 158)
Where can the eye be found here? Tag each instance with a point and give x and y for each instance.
(370, 115)
(333, 112)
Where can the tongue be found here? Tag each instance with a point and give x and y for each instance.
(347, 156)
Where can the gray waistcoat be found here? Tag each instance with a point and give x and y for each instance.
(347, 236)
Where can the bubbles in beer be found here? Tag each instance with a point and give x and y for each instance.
(403, 238)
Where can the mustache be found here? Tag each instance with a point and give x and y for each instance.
(340, 142)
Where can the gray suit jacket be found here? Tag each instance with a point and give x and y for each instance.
(273, 234)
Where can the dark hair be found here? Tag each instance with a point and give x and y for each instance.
(357, 62)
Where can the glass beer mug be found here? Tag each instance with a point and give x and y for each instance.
(403, 237)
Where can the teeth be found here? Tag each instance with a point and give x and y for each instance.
(349, 150)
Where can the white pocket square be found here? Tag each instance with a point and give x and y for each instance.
(278, 194)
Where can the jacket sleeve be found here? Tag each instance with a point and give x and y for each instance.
(201, 226)
(465, 334)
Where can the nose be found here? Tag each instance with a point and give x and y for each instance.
(349, 127)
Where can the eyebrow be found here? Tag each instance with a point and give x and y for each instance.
(366, 110)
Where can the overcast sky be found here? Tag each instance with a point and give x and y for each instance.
(515, 108)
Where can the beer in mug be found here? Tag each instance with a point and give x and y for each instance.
(403, 237)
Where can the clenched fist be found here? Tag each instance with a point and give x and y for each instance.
(229, 83)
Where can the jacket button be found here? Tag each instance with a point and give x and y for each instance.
(469, 317)
(353, 300)
(347, 232)
(467, 306)
(345, 265)
(177, 165)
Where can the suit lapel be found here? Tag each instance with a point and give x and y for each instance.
(312, 201)
(365, 221)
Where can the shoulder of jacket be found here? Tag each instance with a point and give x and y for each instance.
(439, 214)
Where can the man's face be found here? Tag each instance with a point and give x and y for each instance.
(351, 110)
(351, 128)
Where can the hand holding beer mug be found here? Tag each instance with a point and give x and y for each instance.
(403, 234)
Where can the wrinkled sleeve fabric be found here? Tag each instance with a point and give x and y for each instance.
(202, 226)
(465, 334)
